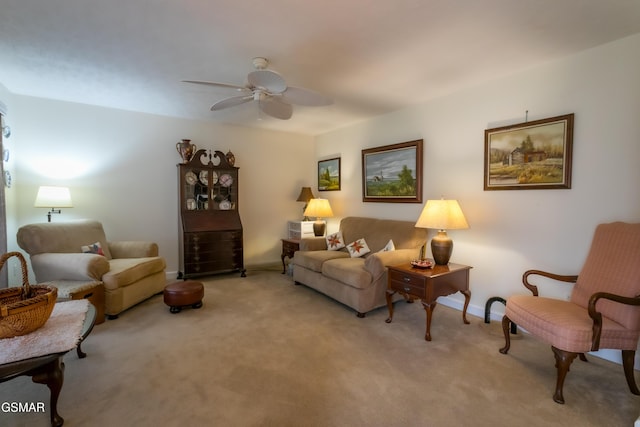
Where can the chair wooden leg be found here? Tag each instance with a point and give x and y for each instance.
(628, 357)
(563, 361)
(507, 338)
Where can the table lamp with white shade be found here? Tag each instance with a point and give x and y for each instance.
(320, 208)
(442, 215)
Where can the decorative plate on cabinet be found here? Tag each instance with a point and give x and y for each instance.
(225, 205)
(214, 177)
(226, 180)
(191, 204)
(190, 178)
(204, 177)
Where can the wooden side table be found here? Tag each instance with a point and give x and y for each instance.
(427, 285)
(289, 246)
(82, 289)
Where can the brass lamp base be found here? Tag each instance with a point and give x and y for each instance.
(441, 248)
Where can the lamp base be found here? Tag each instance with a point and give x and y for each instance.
(441, 248)
(318, 228)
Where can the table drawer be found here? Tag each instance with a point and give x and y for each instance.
(407, 283)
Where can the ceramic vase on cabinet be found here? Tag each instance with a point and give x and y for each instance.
(231, 158)
(186, 149)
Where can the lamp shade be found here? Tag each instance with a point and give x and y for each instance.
(305, 195)
(53, 197)
(442, 215)
(320, 208)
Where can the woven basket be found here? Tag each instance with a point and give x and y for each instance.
(25, 309)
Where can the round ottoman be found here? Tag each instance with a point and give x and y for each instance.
(182, 294)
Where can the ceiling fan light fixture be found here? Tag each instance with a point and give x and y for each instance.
(270, 90)
(260, 63)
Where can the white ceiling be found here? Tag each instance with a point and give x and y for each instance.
(370, 56)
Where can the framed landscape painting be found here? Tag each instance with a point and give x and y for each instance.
(393, 173)
(528, 156)
(329, 174)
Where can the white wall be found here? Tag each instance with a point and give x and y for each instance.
(124, 166)
(512, 231)
(121, 169)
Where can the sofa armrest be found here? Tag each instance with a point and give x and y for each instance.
(68, 266)
(133, 249)
(313, 244)
(377, 263)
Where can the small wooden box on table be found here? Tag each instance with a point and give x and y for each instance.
(427, 284)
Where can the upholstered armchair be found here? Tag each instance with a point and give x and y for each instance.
(131, 271)
(603, 310)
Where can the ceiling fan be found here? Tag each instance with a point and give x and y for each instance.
(271, 92)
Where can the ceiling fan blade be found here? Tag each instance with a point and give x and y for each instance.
(309, 98)
(231, 102)
(276, 108)
(268, 79)
(199, 82)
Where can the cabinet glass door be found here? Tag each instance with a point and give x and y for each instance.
(224, 192)
(196, 189)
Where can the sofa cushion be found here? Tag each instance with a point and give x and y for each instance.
(313, 260)
(126, 271)
(358, 248)
(388, 247)
(349, 271)
(378, 232)
(335, 241)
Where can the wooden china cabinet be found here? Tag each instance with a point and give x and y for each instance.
(211, 234)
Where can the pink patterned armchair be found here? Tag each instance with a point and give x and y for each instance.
(603, 311)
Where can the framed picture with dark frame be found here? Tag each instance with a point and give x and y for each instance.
(393, 173)
(527, 156)
(329, 174)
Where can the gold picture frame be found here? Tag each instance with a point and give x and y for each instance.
(529, 156)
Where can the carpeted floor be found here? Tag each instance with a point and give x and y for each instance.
(264, 352)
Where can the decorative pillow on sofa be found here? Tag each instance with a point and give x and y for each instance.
(388, 247)
(95, 248)
(358, 248)
(335, 241)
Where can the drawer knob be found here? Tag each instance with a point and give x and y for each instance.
(406, 279)
(407, 289)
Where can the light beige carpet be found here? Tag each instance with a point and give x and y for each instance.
(264, 352)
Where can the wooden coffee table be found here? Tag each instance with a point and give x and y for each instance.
(48, 369)
(427, 285)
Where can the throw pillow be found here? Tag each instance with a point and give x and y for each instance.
(388, 247)
(95, 248)
(335, 241)
(358, 248)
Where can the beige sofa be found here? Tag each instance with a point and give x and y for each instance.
(359, 283)
(131, 271)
